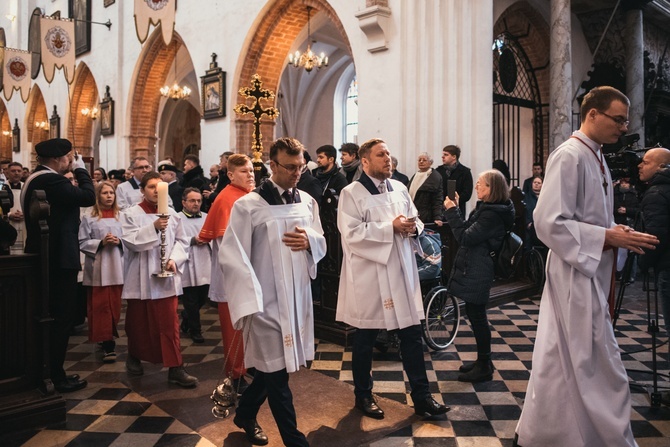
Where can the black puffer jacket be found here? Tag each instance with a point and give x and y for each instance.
(656, 220)
(472, 274)
(428, 198)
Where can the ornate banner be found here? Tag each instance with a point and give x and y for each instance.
(58, 51)
(16, 69)
(154, 12)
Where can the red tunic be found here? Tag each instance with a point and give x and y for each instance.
(214, 226)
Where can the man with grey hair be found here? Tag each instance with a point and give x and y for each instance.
(128, 193)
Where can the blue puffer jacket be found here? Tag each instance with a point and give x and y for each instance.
(472, 274)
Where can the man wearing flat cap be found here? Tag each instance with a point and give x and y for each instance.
(55, 157)
(168, 174)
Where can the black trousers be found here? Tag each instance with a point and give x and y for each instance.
(273, 387)
(193, 299)
(480, 327)
(63, 309)
(411, 348)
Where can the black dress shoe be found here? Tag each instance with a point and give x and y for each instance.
(196, 336)
(254, 432)
(72, 377)
(69, 385)
(429, 407)
(369, 407)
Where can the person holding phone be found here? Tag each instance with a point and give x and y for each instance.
(472, 274)
(379, 282)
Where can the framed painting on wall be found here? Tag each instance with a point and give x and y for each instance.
(213, 91)
(54, 125)
(16, 136)
(107, 114)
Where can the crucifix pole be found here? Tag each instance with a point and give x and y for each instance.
(257, 111)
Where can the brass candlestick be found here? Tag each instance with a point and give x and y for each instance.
(163, 273)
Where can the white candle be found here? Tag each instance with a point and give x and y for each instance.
(162, 189)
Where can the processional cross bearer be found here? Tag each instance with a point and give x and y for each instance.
(257, 111)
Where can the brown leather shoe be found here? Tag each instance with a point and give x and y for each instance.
(369, 407)
(254, 432)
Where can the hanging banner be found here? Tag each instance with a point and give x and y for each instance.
(154, 12)
(57, 37)
(16, 69)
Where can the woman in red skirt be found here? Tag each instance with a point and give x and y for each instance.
(100, 240)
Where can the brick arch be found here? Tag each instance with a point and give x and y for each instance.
(268, 50)
(84, 95)
(154, 66)
(521, 19)
(5, 126)
(37, 112)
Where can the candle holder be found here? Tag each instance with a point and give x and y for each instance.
(163, 273)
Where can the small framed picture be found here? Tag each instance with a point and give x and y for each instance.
(107, 114)
(108, 3)
(213, 91)
(54, 124)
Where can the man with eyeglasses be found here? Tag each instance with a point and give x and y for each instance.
(128, 193)
(578, 391)
(197, 272)
(269, 252)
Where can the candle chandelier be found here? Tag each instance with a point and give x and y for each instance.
(308, 60)
(90, 113)
(176, 92)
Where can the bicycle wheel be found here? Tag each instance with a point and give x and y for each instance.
(535, 267)
(442, 318)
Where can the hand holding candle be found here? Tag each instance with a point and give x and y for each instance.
(162, 189)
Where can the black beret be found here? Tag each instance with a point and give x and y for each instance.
(167, 167)
(56, 147)
(115, 174)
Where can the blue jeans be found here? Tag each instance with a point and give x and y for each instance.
(663, 284)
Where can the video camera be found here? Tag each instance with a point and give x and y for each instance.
(622, 157)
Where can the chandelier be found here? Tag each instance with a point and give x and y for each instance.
(175, 92)
(90, 113)
(308, 60)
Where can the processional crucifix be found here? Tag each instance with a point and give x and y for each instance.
(257, 111)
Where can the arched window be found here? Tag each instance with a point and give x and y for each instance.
(345, 108)
(351, 113)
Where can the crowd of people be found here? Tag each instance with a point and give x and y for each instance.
(253, 249)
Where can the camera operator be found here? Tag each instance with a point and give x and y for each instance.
(655, 209)
(626, 206)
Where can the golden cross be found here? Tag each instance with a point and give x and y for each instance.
(257, 111)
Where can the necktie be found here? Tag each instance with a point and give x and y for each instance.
(288, 198)
(382, 187)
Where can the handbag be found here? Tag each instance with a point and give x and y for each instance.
(505, 261)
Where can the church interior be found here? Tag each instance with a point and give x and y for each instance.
(502, 79)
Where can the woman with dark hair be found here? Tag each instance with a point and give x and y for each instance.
(100, 240)
(473, 271)
(99, 174)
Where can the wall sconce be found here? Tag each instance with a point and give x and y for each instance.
(90, 113)
(6, 133)
(42, 125)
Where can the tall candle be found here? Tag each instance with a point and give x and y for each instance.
(162, 189)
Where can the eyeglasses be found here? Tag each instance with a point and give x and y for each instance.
(147, 167)
(292, 168)
(193, 201)
(618, 120)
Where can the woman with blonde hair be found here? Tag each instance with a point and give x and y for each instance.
(473, 271)
(100, 241)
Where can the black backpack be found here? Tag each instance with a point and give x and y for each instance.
(506, 260)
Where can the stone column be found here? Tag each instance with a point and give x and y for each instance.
(634, 45)
(560, 74)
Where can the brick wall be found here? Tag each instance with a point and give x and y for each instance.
(5, 126)
(268, 52)
(84, 95)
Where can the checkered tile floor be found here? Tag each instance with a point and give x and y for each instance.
(109, 413)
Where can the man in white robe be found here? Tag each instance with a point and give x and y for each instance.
(197, 272)
(14, 173)
(128, 193)
(578, 389)
(269, 252)
(379, 282)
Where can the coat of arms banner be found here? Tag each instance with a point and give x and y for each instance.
(154, 12)
(16, 69)
(58, 51)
